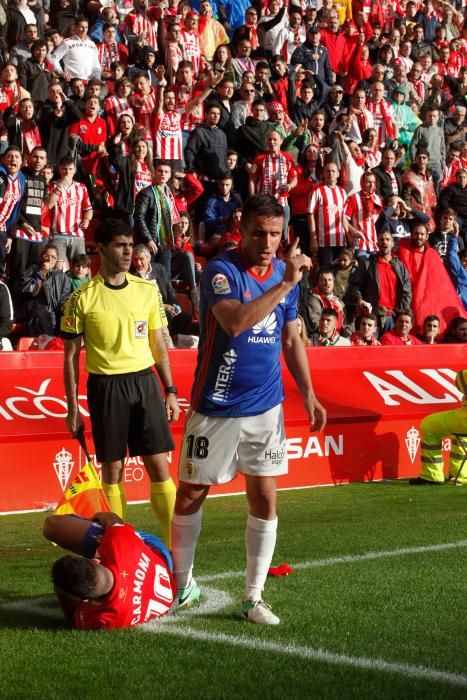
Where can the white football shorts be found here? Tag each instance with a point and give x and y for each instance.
(215, 449)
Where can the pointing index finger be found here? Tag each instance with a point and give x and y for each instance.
(294, 246)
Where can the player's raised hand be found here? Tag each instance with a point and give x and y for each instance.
(296, 263)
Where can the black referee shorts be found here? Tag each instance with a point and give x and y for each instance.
(127, 412)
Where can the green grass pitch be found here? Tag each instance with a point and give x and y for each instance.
(376, 607)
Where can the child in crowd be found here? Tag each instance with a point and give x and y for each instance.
(344, 264)
(79, 271)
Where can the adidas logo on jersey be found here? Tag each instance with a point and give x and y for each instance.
(263, 330)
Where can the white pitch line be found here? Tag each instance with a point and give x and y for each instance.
(310, 654)
(346, 559)
(212, 601)
(45, 606)
(215, 600)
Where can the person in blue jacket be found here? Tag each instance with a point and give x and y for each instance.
(456, 264)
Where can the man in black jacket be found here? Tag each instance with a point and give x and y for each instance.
(155, 215)
(28, 235)
(380, 284)
(251, 137)
(36, 73)
(55, 117)
(206, 149)
(43, 291)
(222, 97)
(388, 181)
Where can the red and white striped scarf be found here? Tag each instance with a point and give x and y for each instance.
(332, 340)
(372, 106)
(274, 177)
(31, 138)
(108, 54)
(253, 35)
(363, 117)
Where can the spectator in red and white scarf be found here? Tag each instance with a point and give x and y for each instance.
(328, 335)
(323, 297)
(291, 35)
(110, 51)
(360, 112)
(249, 30)
(366, 331)
(22, 128)
(419, 84)
(383, 118)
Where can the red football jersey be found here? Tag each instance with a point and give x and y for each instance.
(144, 587)
(92, 133)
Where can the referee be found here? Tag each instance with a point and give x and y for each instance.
(118, 316)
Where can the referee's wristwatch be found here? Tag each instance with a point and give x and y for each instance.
(171, 390)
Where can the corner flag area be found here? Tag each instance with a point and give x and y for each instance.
(375, 607)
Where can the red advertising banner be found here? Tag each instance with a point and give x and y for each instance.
(375, 398)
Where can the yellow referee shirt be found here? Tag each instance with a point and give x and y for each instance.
(115, 323)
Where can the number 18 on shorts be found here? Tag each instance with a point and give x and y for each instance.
(215, 449)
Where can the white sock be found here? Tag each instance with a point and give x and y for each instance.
(260, 538)
(185, 533)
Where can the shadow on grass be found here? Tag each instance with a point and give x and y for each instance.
(40, 612)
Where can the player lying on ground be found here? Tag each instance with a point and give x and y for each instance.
(122, 578)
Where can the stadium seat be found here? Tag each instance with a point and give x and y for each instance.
(201, 260)
(18, 329)
(26, 343)
(184, 302)
(180, 285)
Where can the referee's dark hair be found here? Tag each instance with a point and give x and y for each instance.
(262, 205)
(110, 229)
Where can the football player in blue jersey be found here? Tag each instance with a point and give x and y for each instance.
(248, 317)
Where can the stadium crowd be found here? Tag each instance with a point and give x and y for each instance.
(169, 114)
